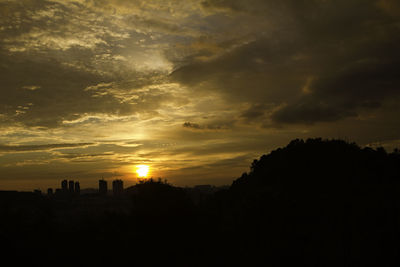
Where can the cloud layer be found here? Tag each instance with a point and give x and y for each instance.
(195, 88)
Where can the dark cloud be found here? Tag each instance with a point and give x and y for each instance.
(345, 93)
(59, 93)
(108, 148)
(192, 125)
(25, 148)
(322, 61)
(249, 73)
(310, 113)
(86, 156)
(254, 113)
(208, 127)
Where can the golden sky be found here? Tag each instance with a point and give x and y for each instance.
(195, 89)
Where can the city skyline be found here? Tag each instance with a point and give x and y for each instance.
(117, 187)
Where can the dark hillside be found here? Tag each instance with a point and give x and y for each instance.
(319, 203)
(317, 162)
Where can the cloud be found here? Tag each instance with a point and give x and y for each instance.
(322, 61)
(392, 7)
(209, 127)
(80, 61)
(310, 113)
(60, 96)
(44, 147)
(80, 156)
(192, 125)
(254, 113)
(195, 85)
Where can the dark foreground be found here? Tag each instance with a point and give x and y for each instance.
(313, 203)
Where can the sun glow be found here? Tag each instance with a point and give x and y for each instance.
(142, 170)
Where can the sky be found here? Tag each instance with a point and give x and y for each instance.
(195, 89)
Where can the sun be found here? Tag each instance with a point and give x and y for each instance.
(142, 170)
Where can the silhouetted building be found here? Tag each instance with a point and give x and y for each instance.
(77, 188)
(37, 191)
(64, 186)
(103, 187)
(118, 187)
(89, 191)
(50, 191)
(200, 193)
(71, 185)
(206, 188)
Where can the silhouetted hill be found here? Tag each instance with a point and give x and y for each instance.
(316, 163)
(154, 201)
(317, 203)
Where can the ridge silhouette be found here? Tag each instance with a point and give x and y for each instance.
(314, 202)
(318, 203)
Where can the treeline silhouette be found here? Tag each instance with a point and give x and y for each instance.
(312, 203)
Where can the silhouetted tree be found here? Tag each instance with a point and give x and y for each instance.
(318, 200)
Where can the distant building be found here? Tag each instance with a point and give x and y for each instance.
(37, 191)
(77, 188)
(118, 187)
(200, 193)
(50, 191)
(71, 185)
(205, 189)
(103, 187)
(89, 191)
(64, 186)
